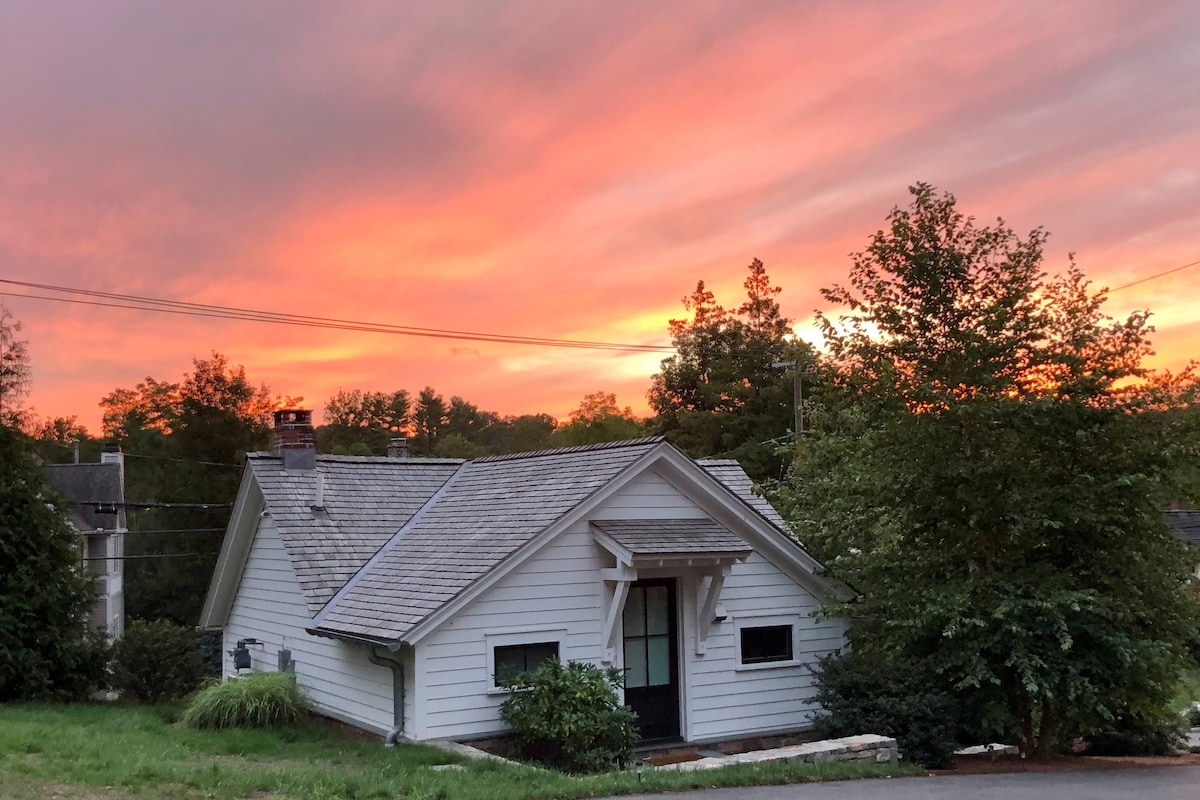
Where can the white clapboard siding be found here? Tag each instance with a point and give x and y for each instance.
(338, 677)
(557, 590)
(649, 497)
(726, 702)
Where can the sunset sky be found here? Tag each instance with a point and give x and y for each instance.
(554, 169)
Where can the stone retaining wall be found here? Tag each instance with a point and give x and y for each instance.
(865, 748)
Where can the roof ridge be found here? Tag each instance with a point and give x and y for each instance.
(349, 459)
(583, 448)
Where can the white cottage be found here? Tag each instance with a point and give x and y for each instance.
(403, 591)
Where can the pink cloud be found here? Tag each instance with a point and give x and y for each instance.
(553, 170)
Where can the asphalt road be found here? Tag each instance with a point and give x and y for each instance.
(1160, 783)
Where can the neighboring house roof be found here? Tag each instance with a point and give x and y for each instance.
(364, 501)
(86, 486)
(1185, 525)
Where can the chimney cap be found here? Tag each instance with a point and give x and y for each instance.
(292, 416)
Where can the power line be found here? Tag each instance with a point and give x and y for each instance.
(184, 460)
(105, 507)
(65, 446)
(175, 530)
(152, 555)
(143, 303)
(1153, 277)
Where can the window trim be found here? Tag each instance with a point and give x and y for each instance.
(773, 621)
(516, 637)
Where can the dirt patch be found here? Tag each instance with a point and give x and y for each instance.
(343, 731)
(663, 759)
(985, 764)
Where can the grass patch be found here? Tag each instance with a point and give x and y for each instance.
(125, 750)
(1188, 691)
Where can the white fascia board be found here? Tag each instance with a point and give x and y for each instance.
(235, 550)
(764, 536)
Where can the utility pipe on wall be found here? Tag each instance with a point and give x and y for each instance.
(397, 668)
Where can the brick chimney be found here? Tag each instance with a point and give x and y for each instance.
(398, 448)
(293, 439)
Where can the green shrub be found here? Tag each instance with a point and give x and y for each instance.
(570, 717)
(894, 699)
(156, 661)
(265, 700)
(1193, 717)
(1156, 735)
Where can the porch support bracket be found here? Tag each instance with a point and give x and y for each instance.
(616, 589)
(709, 597)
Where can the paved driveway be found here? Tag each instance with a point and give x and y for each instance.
(1161, 783)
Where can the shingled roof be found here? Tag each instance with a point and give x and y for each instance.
(364, 502)
(1185, 525)
(672, 536)
(730, 473)
(488, 509)
(85, 486)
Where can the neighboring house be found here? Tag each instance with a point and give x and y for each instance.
(404, 591)
(97, 496)
(1186, 525)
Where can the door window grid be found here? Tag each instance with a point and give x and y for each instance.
(647, 626)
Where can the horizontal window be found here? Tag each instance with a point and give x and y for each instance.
(513, 659)
(765, 644)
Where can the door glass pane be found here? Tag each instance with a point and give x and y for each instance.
(659, 668)
(635, 610)
(635, 663)
(656, 611)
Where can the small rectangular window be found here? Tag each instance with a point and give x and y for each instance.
(511, 660)
(766, 644)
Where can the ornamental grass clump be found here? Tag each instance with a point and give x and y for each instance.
(267, 700)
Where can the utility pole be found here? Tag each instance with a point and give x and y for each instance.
(797, 390)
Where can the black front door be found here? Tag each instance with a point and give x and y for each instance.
(651, 658)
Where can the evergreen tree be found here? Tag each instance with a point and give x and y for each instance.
(719, 394)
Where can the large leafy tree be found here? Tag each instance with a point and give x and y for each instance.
(186, 443)
(719, 393)
(599, 419)
(363, 422)
(45, 592)
(992, 475)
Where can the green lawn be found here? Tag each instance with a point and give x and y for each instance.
(94, 752)
(1188, 691)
